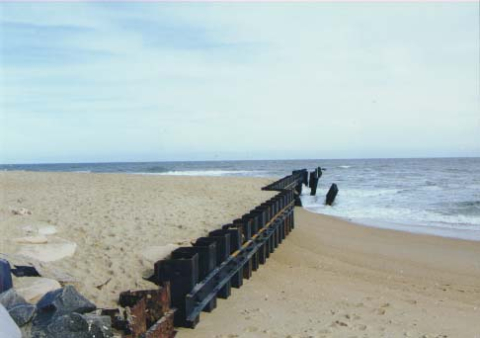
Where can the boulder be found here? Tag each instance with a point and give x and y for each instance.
(79, 326)
(22, 313)
(8, 328)
(56, 314)
(11, 298)
(64, 301)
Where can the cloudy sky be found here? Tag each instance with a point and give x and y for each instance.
(162, 81)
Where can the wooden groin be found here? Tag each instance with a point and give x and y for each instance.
(194, 277)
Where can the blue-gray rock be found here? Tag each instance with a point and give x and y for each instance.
(11, 298)
(78, 326)
(22, 313)
(64, 301)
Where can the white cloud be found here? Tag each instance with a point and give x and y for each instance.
(164, 81)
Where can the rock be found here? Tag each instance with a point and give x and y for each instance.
(57, 314)
(64, 301)
(34, 288)
(31, 240)
(8, 328)
(22, 313)
(11, 298)
(79, 326)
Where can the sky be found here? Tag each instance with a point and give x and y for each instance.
(105, 82)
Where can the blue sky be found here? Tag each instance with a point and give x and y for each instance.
(162, 81)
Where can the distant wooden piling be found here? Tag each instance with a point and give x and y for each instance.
(332, 193)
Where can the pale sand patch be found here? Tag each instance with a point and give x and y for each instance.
(331, 278)
(155, 253)
(56, 249)
(33, 288)
(31, 240)
(113, 217)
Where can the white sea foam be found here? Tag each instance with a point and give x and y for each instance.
(206, 173)
(387, 208)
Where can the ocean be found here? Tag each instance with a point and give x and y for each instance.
(439, 196)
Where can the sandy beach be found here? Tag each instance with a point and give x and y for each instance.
(329, 278)
(120, 223)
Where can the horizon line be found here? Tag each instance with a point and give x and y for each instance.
(248, 160)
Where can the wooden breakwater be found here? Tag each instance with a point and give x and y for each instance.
(194, 277)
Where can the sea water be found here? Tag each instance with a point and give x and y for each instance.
(438, 196)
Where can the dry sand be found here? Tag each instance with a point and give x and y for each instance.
(331, 278)
(118, 222)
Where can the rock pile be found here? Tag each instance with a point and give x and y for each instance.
(61, 313)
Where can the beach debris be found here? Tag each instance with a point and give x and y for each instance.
(103, 284)
(8, 328)
(147, 313)
(56, 249)
(33, 289)
(31, 240)
(5, 275)
(332, 193)
(20, 211)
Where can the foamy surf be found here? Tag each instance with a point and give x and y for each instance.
(386, 208)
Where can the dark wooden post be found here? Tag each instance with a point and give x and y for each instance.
(182, 273)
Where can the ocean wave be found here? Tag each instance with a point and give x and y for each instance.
(344, 166)
(204, 173)
(156, 169)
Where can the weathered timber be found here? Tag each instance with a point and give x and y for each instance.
(332, 193)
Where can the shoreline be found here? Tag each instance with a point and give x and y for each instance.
(426, 230)
(333, 278)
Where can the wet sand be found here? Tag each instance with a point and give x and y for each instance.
(331, 278)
